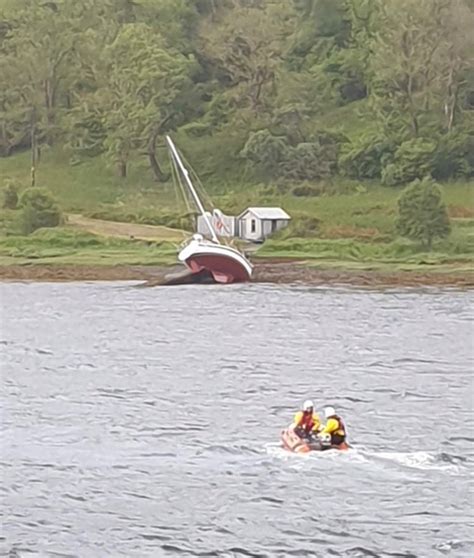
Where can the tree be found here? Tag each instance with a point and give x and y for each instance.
(39, 210)
(265, 151)
(245, 47)
(37, 60)
(459, 61)
(320, 21)
(422, 213)
(413, 159)
(418, 55)
(144, 79)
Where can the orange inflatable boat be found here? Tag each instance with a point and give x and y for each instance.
(292, 442)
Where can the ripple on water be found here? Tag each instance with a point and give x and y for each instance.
(145, 422)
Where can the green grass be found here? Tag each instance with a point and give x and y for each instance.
(455, 254)
(64, 246)
(89, 185)
(368, 211)
(355, 221)
(92, 187)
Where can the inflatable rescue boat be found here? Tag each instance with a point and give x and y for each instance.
(292, 442)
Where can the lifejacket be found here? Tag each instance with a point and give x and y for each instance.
(306, 422)
(339, 435)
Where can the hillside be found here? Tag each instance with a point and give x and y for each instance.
(329, 108)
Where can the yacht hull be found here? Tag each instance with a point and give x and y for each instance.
(225, 264)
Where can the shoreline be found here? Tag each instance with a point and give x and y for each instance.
(275, 271)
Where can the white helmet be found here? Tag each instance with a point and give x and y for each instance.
(307, 405)
(329, 412)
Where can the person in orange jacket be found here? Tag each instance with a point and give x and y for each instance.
(334, 427)
(306, 422)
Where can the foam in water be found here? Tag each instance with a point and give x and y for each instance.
(421, 460)
(416, 460)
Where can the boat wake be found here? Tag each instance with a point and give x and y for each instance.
(420, 460)
(416, 460)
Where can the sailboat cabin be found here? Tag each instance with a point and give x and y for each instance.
(257, 223)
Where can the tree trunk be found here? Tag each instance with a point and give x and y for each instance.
(451, 97)
(415, 126)
(49, 101)
(5, 148)
(33, 148)
(159, 175)
(412, 107)
(122, 169)
(261, 78)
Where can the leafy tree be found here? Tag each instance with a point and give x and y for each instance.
(454, 156)
(37, 61)
(274, 156)
(321, 22)
(144, 79)
(416, 61)
(175, 20)
(39, 209)
(422, 213)
(245, 47)
(365, 156)
(265, 151)
(413, 159)
(309, 161)
(240, 66)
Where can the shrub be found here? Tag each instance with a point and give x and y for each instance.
(413, 159)
(39, 210)
(454, 156)
(302, 226)
(306, 161)
(10, 197)
(307, 190)
(365, 157)
(264, 150)
(422, 213)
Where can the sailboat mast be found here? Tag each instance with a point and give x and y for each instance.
(185, 173)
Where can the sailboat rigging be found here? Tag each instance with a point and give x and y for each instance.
(224, 263)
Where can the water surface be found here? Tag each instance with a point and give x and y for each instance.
(145, 422)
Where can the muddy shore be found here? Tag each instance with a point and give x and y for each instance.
(265, 272)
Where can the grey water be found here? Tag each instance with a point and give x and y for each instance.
(145, 422)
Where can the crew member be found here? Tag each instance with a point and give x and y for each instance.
(334, 427)
(306, 422)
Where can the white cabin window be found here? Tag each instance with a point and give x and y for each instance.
(253, 225)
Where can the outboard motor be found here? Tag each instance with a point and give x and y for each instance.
(325, 440)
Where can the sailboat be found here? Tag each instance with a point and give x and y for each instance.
(224, 263)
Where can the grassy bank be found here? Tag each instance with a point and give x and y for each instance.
(65, 246)
(340, 224)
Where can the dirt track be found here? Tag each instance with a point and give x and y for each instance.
(125, 230)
